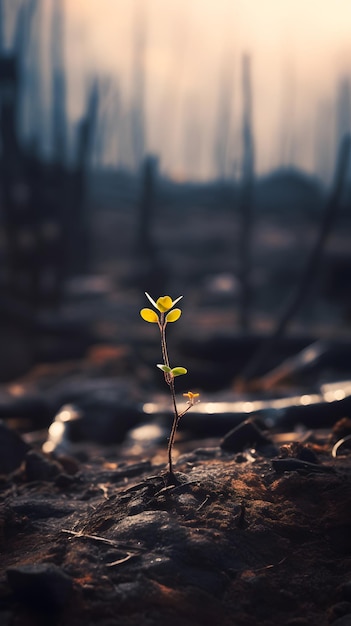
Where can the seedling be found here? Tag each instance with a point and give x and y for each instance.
(163, 314)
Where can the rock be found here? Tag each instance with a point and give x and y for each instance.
(339, 610)
(306, 454)
(64, 481)
(150, 527)
(69, 464)
(297, 450)
(37, 467)
(129, 591)
(6, 618)
(344, 591)
(40, 507)
(343, 621)
(44, 585)
(108, 409)
(12, 449)
(245, 435)
(30, 405)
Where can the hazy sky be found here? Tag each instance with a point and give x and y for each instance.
(299, 51)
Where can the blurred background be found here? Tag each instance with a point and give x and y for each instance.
(197, 148)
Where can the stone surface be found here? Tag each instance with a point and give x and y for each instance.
(12, 449)
(37, 467)
(343, 621)
(42, 585)
(230, 543)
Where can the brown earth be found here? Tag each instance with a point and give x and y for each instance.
(99, 539)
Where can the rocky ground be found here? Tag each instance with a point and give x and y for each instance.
(258, 531)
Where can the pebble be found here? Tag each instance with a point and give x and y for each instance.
(44, 585)
(6, 618)
(343, 621)
(108, 408)
(344, 590)
(64, 481)
(41, 508)
(306, 454)
(339, 610)
(37, 467)
(12, 449)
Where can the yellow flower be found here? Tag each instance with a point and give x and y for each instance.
(162, 305)
(192, 397)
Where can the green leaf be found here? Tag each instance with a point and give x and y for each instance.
(179, 371)
(164, 368)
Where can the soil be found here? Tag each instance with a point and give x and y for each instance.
(246, 537)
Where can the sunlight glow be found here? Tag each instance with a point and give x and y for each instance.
(299, 51)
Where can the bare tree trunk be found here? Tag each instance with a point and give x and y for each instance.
(297, 296)
(58, 84)
(222, 126)
(246, 198)
(138, 104)
(145, 244)
(80, 236)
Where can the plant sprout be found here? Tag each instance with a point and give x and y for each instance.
(163, 314)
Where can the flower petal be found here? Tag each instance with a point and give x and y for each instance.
(149, 315)
(191, 395)
(179, 371)
(173, 315)
(151, 300)
(164, 303)
(176, 300)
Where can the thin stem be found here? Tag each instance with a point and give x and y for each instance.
(170, 382)
(174, 428)
(162, 326)
(180, 415)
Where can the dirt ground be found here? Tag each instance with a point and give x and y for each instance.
(256, 536)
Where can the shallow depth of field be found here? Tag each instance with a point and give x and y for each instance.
(181, 152)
